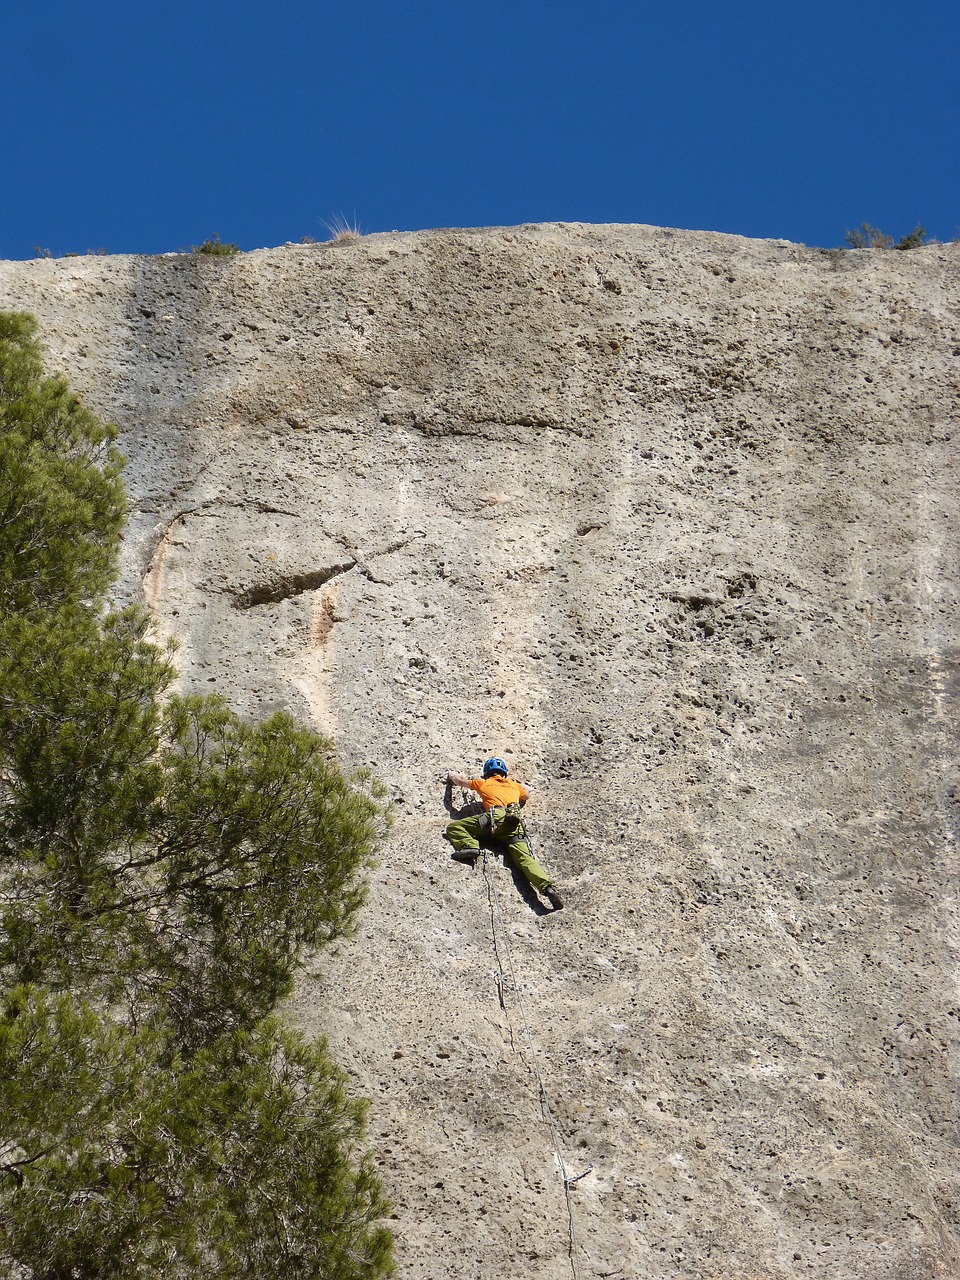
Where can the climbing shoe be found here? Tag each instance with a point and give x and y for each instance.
(553, 897)
(469, 856)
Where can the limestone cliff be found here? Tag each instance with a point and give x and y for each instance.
(670, 521)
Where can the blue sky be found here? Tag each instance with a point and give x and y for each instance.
(147, 128)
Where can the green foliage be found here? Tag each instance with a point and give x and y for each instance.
(913, 240)
(164, 868)
(214, 245)
(123, 1160)
(868, 237)
(61, 496)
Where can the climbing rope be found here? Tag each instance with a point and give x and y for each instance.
(497, 918)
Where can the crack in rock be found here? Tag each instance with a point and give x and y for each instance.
(362, 561)
(480, 427)
(289, 585)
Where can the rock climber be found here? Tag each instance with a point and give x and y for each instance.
(502, 801)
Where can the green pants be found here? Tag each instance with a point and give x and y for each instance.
(464, 834)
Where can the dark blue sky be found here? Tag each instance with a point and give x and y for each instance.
(147, 128)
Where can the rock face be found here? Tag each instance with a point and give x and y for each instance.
(670, 521)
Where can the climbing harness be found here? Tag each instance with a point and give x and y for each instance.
(503, 823)
(497, 922)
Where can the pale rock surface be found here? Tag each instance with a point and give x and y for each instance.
(669, 520)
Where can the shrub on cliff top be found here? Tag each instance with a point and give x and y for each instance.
(868, 237)
(214, 245)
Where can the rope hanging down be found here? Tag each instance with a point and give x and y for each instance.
(497, 918)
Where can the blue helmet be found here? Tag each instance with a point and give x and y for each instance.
(495, 765)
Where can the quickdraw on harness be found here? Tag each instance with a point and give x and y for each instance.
(503, 823)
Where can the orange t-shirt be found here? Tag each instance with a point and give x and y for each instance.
(496, 791)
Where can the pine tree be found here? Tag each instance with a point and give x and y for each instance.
(164, 868)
